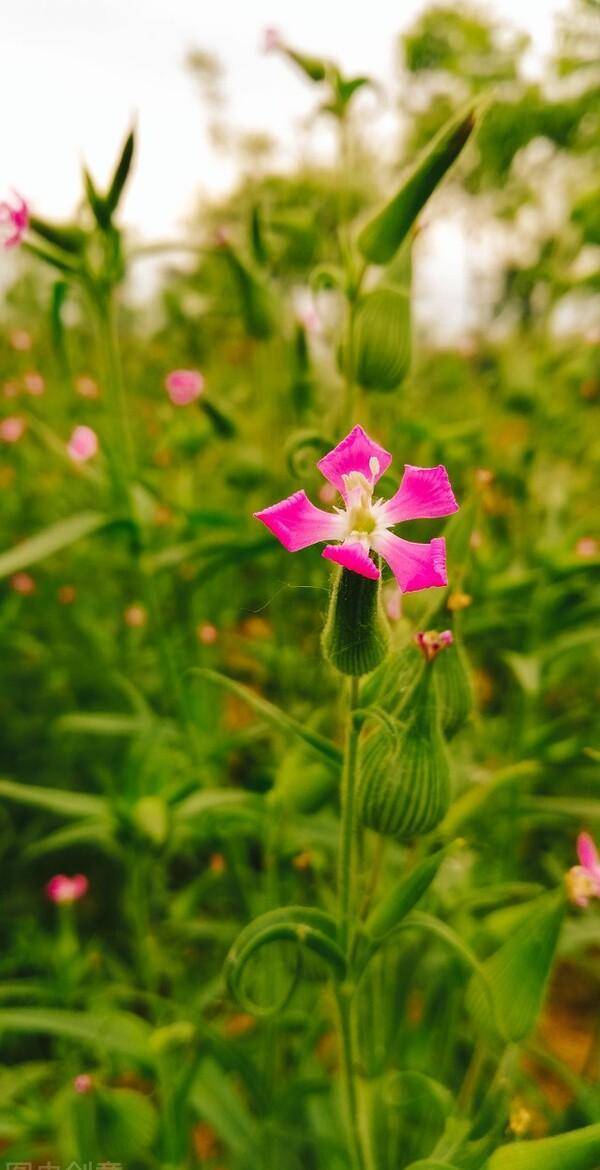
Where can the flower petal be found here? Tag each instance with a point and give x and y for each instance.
(424, 493)
(587, 853)
(415, 566)
(297, 523)
(357, 452)
(352, 555)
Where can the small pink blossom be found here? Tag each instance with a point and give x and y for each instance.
(34, 383)
(587, 546)
(12, 429)
(583, 880)
(83, 1083)
(20, 340)
(207, 634)
(392, 601)
(64, 890)
(15, 219)
(272, 40)
(83, 444)
(184, 386)
(86, 386)
(23, 583)
(362, 525)
(309, 318)
(430, 642)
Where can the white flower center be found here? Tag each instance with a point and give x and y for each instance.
(362, 512)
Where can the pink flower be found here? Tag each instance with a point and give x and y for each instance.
(83, 1083)
(34, 383)
(15, 217)
(587, 546)
(23, 583)
(272, 40)
(86, 386)
(183, 386)
(430, 642)
(583, 880)
(12, 429)
(83, 444)
(64, 890)
(363, 524)
(207, 634)
(20, 340)
(392, 601)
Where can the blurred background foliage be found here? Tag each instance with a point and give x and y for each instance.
(120, 762)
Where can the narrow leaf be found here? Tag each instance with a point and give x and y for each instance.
(51, 540)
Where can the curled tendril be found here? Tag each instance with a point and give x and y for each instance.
(298, 447)
(308, 928)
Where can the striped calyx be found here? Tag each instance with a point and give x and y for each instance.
(405, 783)
(356, 636)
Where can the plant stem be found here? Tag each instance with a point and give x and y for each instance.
(346, 915)
(348, 828)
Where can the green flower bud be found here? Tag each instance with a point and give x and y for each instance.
(381, 339)
(356, 636)
(454, 689)
(405, 784)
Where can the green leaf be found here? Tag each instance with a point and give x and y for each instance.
(381, 237)
(517, 973)
(471, 803)
(51, 540)
(306, 927)
(218, 811)
(102, 723)
(215, 1100)
(98, 833)
(127, 1122)
(55, 800)
(118, 1032)
(396, 905)
(120, 175)
(578, 1150)
(274, 716)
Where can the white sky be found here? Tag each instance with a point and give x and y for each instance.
(74, 72)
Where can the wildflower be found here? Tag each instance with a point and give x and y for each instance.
(207, 634)
(83, 444)
(587, 546)
(34, 383)
(23, 583)
(272, 40)
(86, 386)
(67, 594)
(12, 429)
(583, 880)
(392, 601)
(15, 218)
(10, 390)
(65, 890)
(183, 386)
(20, 340)
(83, 1083)
(430, 643)
(135, 616)
(217, 864)
(354, 467)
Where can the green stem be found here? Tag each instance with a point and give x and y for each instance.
(348, 1076)
(348, 827)
(121, 454)
(346, 917)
